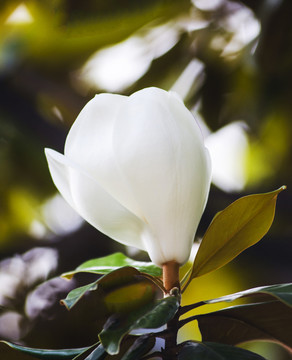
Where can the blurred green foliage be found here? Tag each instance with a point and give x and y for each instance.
(245, 51)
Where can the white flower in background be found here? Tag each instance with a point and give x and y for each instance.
(118, 66)
(136, 168)
(228, 150)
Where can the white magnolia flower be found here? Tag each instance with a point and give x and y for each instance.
(136, 169)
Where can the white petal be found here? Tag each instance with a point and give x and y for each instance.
(92, 202)
(163, 157)
(90, 137)
(89, 144)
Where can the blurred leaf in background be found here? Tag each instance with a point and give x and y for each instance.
(231, 61)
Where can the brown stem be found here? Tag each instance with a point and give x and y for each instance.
(170, 271)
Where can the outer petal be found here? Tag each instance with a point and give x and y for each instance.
(163, 157)
(92, 202)
(89, 143)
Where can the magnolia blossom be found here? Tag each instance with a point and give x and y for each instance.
(136, 168)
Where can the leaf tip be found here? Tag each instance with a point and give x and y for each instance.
(283, 187)
(67, 276)
(63, 303)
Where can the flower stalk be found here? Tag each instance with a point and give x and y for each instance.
(170, 271)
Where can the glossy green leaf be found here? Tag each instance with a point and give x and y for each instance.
(98, 353)
(211, 351)
(112, 262)
(126, 298)
(270, 321)
(116, 278)
(87, 352)
(76, 294)
(153, 315)
(140, 347)
(283, 292)
(47, 354)
(232, 352)
(239, 226)
(126, 344)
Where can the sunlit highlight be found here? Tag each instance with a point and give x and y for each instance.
(21, 15)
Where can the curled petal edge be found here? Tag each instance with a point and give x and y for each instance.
(93, 203)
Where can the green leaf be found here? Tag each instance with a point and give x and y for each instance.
(46, 353)
(87, 352)
(234, 229)
(283, 292)
(76, 294)
(153, 315)
(141, 346)
(98, 353)
(110, 281)
(112, 262)
(211, 351)
(270, 321)
(233, 353)
(129, 297)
